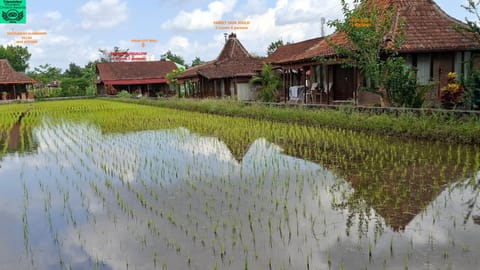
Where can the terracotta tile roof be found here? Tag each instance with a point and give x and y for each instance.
(290, 51)
(233, 61)
(428, 29)
(118, 71)
(9, 76)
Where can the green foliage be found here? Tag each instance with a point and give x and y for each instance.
(174, 58)
(172, 79)
(273, 46)
(471, 97)
(46, 73)
(371, 42)
(124, 94)
(429, 126)
(17, 56)
(471, 27)
(269, 81)
(74, 87)
(89, 72)
(197, 61)
(401, 84)
(73, 71)
(91, 91)
(47, 92)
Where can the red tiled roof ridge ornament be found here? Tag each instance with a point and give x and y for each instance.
(233, 49)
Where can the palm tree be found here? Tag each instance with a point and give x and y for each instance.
(269, 81)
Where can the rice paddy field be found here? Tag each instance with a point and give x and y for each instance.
(96, 184)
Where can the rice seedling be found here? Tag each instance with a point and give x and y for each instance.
(133, 169)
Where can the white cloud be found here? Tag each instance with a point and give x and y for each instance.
(179, 42)
(53, 15)
(200, 19)
(307, 11)
(103, 13)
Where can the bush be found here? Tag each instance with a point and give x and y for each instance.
(450, 95)
(471, 97)
(47, 92)
(74, 87)
(401, 85)
(269, 81)
(91, 91)
(124, 94)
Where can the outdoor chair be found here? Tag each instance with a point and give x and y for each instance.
(312, 92)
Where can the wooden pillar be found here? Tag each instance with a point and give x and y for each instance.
(285, 88)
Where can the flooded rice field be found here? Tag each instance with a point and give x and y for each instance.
(104, 185)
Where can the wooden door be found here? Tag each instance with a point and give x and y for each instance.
(343, 83)
(442, 65)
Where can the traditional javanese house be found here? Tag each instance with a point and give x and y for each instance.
(433, 46)
(226, 76)
(13, 84)
(146, 78)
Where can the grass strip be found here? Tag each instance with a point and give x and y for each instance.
(435, 126)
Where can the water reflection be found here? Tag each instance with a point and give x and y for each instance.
(177, 200)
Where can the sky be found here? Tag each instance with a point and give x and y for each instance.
(77, 29)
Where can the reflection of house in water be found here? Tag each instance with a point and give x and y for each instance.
(476, 220)
(397, 179)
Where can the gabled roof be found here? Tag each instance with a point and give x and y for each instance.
(233, 61)
(427, 28)
(134, 72)
(9, 76)
(290, 51)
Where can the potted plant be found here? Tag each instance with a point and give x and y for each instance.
(4, 95)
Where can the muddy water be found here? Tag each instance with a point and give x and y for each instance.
(173, 199)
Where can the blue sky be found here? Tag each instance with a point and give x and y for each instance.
(76, 29)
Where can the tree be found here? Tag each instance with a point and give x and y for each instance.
(74, 87)
(46, 73)
(17, 56)
(269, 81)
(197, 61)
(173, 57)
(472, 7)
(172, 79)
(73, 71)
(371, 41)
(273, 46)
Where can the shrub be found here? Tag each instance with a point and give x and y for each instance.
(450, 95)
(91, 91)
(401, 85)
(74, 87)
(269, 81)
(124, 94)
(471, 96)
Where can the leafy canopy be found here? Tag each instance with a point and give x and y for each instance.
(375, 33)
(17, 56)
